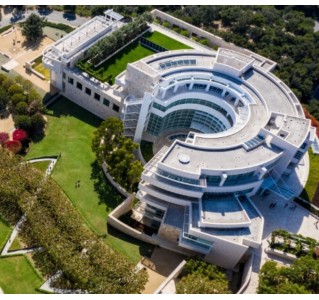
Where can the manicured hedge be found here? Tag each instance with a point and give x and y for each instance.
(60, 26)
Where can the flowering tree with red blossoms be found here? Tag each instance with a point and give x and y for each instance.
(19, 135)
(13, 146)
(3, 137)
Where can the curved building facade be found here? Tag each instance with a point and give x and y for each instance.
(236, 130)
(224, 129)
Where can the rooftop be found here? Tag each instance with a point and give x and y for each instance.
(223, 211)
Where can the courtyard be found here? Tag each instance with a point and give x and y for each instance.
(95, 198)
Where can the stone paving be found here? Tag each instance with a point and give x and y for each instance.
(283, 216)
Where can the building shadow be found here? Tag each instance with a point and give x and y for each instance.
(145, 249)
(64, 107)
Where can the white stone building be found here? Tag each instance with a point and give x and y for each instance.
(228, 126)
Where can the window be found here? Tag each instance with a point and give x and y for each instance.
(116, 108)
(299, 155)
(88, 91)
(70, 80)
(97, 97)
(79, 85)
(106, 102)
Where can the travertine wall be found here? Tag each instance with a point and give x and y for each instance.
(88, 102)
(225, 254)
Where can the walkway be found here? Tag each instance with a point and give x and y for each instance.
(282, 216)
(161, 264)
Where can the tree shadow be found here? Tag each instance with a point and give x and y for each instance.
(107, 194)
(64, 107)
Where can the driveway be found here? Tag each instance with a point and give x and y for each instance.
(51, 16)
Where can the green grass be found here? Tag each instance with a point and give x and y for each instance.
(313, 178)
(18, 276)
(147, 150)
(165, 41)
(41, 165)
(39, 67)
(70, 132)
(118, 63)
(15, 245)
(4, 234)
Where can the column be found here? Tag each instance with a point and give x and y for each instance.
(223, 179)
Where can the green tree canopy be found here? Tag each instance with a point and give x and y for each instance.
(32, 28)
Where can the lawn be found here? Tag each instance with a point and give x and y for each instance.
(313, 178)
(4, 234)
(70, 131)
(39, 67)
(41, 165)
(118, 63)
(18, 276)
(165, 41)
(15, 245)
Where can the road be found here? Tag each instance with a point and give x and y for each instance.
(51, 16)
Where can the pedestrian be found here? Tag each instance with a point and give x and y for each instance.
(274, 205)
(286, 205)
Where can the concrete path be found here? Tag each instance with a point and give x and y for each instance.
(50, 167)
(47, 286)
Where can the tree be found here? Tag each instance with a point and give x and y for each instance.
(19, 135)
(200, 284)
(32, 28)
(13, 146)
(200, 277)
(22, 122)
(3, 137)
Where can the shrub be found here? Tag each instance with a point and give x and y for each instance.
(5, 28)
(37, 122)
(204, 42)
(21, 108)
(167, 24)
(22, 122)
(19, 135)
(13, 146)
(185, 33)
(17, 98)
(3, 137)
(60, 26)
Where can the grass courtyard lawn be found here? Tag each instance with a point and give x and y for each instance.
(4, 234)
(313, 178)
(70, 131)
(15, 245)
(41, 165)
(118, 63)
(18, 276)
(39, 67)
(165, 41)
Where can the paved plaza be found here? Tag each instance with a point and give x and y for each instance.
(282, 216)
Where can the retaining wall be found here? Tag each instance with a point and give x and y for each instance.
(122, 209)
